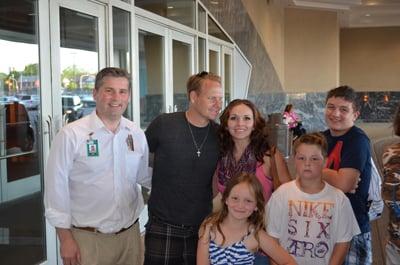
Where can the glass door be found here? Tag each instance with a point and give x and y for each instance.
(22, 226)
(182, 68)
(78, 34)
(152, 78)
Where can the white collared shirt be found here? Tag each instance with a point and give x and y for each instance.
(88, 190)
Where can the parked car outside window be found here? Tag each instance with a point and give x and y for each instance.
(31, 102)
(88, 105)
(7, 99)
(72, 107)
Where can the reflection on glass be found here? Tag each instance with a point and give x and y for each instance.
(181, 11)
(79, 62)
(202, 19)
(227, 77)
(181, 53)
(122, 44)
(215, 30)
(213, 61)
(20, 191)
(151, 77)
(202, 55)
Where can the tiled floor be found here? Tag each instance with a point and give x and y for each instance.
(22, 239)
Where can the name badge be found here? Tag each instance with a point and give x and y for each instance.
(92, 147)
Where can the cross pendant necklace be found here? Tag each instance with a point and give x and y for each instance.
(198, 148)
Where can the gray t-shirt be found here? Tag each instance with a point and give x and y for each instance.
(182, 181)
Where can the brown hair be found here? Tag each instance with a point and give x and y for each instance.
(113, 72)
(315, 138)
(258, 137)
(195, 82)
(256, 218)
(288, 108)
(396, 122)
(345, 92)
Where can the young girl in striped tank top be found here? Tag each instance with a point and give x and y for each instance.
(233, 234)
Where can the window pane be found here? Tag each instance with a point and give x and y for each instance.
(202, 55)
(122, 44)
(202, 19)
(182, 70)
(22, 226)
(79, 59)
(214, 62)
(151, 77)
(121, 38)
(215, 31)
(227, 77)
(181, 11)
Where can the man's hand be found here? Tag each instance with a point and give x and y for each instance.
(69, 249)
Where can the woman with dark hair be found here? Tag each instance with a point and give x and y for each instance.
(391, 194)
(245, 149)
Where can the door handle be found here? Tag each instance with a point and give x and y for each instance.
(65, 118)
(49, 122)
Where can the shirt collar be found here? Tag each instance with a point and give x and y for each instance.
(96, 123)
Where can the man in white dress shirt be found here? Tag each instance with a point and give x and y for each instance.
(91, 191)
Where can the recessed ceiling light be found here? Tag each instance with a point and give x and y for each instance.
(170, 7)
(371, 3)
(214, 2)
(367, 15)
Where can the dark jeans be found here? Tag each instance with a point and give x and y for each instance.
(169, 244)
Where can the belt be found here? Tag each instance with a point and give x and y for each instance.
(158, 220)
(95, 230)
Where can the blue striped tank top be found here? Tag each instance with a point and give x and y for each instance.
(235, 254)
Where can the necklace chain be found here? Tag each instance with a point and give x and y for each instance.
(194, 140)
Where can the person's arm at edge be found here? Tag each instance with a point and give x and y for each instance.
(339, 253)
(281, 167)
(270, 245)
(214, 184)
(345, 179)
(69, 249)
(152, 132)
(145, 172)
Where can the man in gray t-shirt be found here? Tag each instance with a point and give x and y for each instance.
(185, 156)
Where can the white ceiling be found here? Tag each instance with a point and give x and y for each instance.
(357, 13)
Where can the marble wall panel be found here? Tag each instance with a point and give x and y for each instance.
(265, 89)
(378, 106)
(374, 107)
(233, 17)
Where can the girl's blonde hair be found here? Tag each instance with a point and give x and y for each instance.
(256, 219)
